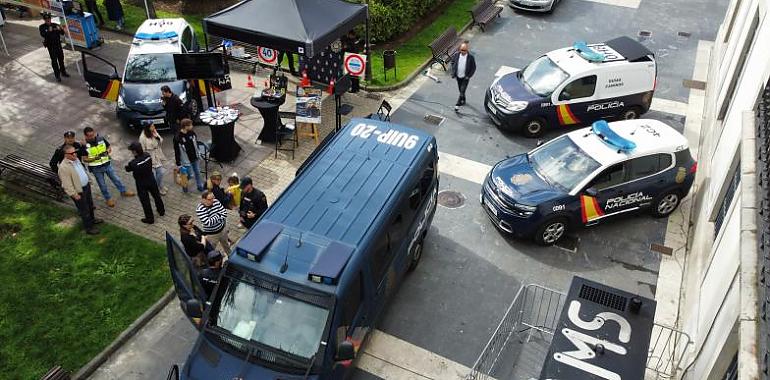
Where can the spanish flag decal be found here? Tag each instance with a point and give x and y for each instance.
(566, 117)
(111, 92)
(589, 208)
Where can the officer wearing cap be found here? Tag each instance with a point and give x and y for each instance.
(209, 276)
(141, 168)
(253, 203)
(51, 34)
(58, 154)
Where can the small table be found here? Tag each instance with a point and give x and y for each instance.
(221, 120)
(268, 108)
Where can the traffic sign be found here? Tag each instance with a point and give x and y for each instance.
(355, 64)
(267, 56)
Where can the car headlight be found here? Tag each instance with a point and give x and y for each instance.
(121, 102)
(516, 106)
(526, 210)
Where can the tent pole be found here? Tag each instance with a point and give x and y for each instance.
(368, 72)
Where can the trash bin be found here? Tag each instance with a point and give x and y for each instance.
(389, 62)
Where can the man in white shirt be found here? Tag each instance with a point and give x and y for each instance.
(463, 68)
(76, 184)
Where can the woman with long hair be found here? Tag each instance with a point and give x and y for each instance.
(151, 143)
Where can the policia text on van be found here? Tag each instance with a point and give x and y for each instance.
(310, 279)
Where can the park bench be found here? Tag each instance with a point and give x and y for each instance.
(56, 373)
(445, 46)
(484, 12)
(34, 176)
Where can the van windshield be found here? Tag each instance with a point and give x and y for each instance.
(542, 76)
(262, 312)
(563, 163)
(150, 68)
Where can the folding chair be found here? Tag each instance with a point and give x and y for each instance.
(383, 113)
(286, 132)
(203, 154)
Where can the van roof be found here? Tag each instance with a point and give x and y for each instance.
(338, 198)
(158, 36)
(617, 51)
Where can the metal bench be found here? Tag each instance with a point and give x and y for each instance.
(32, 175)
(56, 373)
(484, 12)
(445, 46)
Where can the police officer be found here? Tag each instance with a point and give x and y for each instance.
(96, 154)
(210, 276)
(141, 167)
(253, 203)
(58, 154)
(51, 34)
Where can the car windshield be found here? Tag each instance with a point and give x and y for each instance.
(150, 68)
(271, 317)
(563, 163)
(542, 76)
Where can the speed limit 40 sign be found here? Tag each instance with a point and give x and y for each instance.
(267, 56)
(354, 64)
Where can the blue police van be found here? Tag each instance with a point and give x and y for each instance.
(305, 285)
(588, 176)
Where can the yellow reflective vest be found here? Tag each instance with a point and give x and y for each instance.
(96, 149)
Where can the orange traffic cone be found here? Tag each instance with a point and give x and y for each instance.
(330, 89)
(250, 82)
(305, 82)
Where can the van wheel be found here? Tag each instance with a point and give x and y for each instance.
(534, 128)
(631, 113)
(665, 204)
(551, 231)
(416, 256)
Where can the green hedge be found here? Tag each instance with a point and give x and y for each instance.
(390, 18)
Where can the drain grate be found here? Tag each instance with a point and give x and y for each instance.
(373, 95)
(451, 199)
(603, 297)
(645, 33)
(568, 243)
(694, 84)
(662, 249)
(433, 119)
(684, 34)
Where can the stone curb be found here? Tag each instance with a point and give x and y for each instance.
(91, 367)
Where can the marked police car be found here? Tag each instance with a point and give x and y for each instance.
(587, 176)
(534, 5)
(149, 66)
(574, 86)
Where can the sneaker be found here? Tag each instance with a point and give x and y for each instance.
(148, 221)
(111, 202)
(457, 108)
(98, 221)
(165, 188)
(92, 231)
(65, 74)
(162, 213)
(58, 79)
(163, 192)
(127, 194)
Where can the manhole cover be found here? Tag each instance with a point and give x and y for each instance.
(451, 199)
(433, 119)
(569, 243)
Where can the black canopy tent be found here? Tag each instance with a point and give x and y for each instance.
(301, 26)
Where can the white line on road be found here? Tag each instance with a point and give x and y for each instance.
(634, 4)
(391, 358)
(464, 168)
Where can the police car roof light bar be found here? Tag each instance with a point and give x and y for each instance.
(587, 53)
(156, 36)
(602, 130)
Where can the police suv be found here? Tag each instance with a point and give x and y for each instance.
(574, 86)
(587, 176)
(149, 66)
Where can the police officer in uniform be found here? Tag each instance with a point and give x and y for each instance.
(253, 203)
(141, 168)
(96, 154)
(51, 34)
(209, 276)
(58, 154)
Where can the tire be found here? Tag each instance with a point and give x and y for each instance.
(666, 203)
(533, 128)
(416, 256)
(551, 231)
(631, 113)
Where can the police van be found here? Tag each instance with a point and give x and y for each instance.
(574, 86)
(149, 66)
(305, 285)
(588, 176)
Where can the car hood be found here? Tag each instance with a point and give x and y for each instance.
(511, 84)
(145, 97)
(517, 180)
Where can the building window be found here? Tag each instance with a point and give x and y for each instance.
(732, 20)
(732, 186)
(739, 68)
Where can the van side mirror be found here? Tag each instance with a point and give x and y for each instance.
(540, 142)
(345, 351)
(591, 191)
(193, 308)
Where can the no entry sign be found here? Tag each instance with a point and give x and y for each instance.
(355, 64)
(267, 56)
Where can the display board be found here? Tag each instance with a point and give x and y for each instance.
(323, 67)
(308, 105)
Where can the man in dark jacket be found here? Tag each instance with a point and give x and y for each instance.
(174, 107)
(463, 68)
(209, 277)
(51, 34)
(58, 154)
(186, 153)
(253, 203)
(141, 167)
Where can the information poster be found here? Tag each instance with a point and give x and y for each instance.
(308, 105)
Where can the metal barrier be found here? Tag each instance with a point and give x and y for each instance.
(532, 318)
(667, 348)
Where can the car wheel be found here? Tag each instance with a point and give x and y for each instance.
(665, 204)
(416, 256)
(631, 113)
(551, 231)
(534, 128)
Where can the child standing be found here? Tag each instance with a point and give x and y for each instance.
(234, 190)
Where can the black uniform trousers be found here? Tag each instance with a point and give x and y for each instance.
(85, 206)
(143, 191)
(462, 85)
(94, 9)
(57, 60)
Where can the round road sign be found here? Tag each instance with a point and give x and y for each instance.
(355, 64)
(267, 56)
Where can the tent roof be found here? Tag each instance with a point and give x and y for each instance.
(300, 26)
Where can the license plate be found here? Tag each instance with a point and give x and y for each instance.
(494, 111)
(491, 208)
(158, 121)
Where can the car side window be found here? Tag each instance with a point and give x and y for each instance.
(580, 88)
(648, 165)
(612, 176)
(187, 40)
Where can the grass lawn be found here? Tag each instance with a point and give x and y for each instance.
(67, 295)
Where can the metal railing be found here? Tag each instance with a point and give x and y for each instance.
(667, 348)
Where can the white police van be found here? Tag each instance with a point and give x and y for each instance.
(574, 86)
(149, 66)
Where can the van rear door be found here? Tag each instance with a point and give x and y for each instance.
(185, 278)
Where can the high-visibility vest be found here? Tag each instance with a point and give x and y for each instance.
(94, 150)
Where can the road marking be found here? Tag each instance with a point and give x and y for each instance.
(634, 4)
(463, 168)
(391, 358)
(669, 106)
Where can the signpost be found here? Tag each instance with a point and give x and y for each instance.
(267, 56)
(354, 64)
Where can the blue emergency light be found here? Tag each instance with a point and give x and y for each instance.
(156, 36)
(602, 130)
(586, 52)
(329, 264)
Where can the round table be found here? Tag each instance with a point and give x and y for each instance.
(268, 108)
(224, 148)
